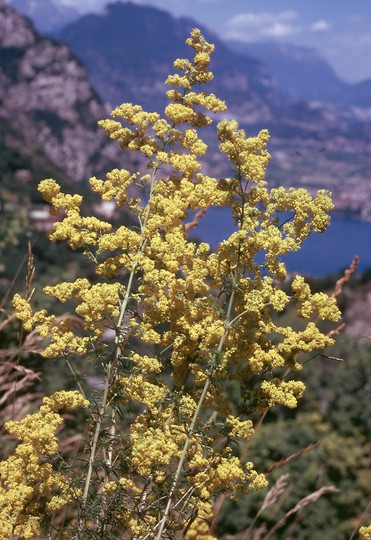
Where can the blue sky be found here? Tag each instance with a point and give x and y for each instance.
(340, 29)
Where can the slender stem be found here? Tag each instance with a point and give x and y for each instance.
(109, 459)
(74, 374)
(102, 410)
(133, 270)
(111, 367)
(184, 454)
(194, 420)
(238, 316)
(360, 521)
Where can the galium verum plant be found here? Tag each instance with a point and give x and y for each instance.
(189, 324)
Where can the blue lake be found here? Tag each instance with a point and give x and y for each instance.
(321, 254)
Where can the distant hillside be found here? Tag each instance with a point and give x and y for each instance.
(129, 51)
(302, 73)
(48, 128)
(359, 94)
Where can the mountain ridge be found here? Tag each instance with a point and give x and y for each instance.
(303, 73)
(142, 45)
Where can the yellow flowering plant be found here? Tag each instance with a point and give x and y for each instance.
(30, 489)
(177, 325)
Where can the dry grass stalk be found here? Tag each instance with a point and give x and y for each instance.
(30, 345)
(29, 276)
(360, 521)
(258, 533)
(345, 278)
(303, 503)
(15, 381)
(30, 271)
(278, 464)
(271, 498)
(275, 492)
(8, 319)
(311, 499)
(336, 331)
(196, 220)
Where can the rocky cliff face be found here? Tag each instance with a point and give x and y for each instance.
(47, 104)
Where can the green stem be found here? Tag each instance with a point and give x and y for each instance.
(111, 368)
(102, 411)
(133, 270)
(75, 376)
(194, 420)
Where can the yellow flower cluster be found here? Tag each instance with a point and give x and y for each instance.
(77, 230)
(62, 338)
(137, 388)
(38, 320)
(115, 187)
(152, 448)
(199, 529)
(29, 487)
(277, 392)
(215, 472)
(248, 155)
(242, 429)
(186, 319)
(365, 533)
(319, 304)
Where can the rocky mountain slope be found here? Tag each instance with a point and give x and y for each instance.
(128, 50)
(48, 107)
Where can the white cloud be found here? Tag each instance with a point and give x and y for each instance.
(254, 26)
(279, 29)
(83, 5)
(320, 26)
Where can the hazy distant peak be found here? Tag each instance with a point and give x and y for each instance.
(301, 72)
(46, 15)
